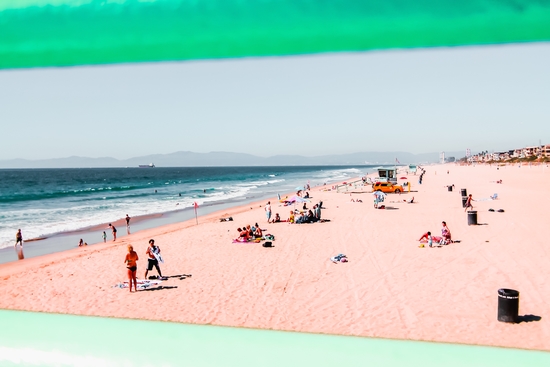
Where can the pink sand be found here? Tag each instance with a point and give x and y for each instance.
(390, 287)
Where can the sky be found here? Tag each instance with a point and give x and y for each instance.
(418, 101)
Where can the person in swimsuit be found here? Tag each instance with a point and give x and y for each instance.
(445, 234)
(18, 238)
(131, 265)
(152, 260)
(80, 243)
(104, 237)
(114, 231)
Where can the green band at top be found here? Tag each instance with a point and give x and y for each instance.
(35, 33)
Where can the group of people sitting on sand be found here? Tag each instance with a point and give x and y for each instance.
(249, 233)
(310, 216)
(445, 238)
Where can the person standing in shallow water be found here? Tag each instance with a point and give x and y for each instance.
(131, 264)
(128, 224)
(114, 231)
(104, 236)
(18, 238)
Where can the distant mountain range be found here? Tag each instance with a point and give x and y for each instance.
(191, 159)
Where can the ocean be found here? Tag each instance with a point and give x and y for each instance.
(50, 202)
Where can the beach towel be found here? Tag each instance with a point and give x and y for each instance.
(141, 284)
(156, 253)
(339, 258)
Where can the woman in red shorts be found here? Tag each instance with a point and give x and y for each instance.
(131, 264)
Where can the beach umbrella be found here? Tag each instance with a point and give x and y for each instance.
(300, 188)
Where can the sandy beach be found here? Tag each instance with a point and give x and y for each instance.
(390, 288)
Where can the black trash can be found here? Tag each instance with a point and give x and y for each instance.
(464, 200)
(508, 305)
(450, 188)
(463, 192)
(472, 217)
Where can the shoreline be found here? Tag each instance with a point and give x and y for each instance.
(390, 288)
(66, 241)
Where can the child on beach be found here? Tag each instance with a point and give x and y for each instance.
(104, 235)
(469, 203)
(80, 243)
(131, 264)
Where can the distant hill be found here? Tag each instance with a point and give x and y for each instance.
(191, 159)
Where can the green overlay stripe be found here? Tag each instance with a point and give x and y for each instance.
(36, 33)
(41, 339)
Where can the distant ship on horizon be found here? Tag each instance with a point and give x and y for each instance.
(150, 165)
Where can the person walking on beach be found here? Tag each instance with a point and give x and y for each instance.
(18, 238)
(153, 253)
(104, 235)
(128, 224)
(268, 211)
(114, 231)
(131, 264)
(469, 203)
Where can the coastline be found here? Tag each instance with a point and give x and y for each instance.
(65, 241)
(390, 288)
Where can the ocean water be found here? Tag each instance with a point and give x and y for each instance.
(44, 202)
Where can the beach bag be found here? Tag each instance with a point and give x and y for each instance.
(270, 237)
(267, 244)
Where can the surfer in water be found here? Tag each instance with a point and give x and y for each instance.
(131, 265)
(153, 253)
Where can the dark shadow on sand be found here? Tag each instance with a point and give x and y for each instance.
(166, 277)
(528, 318)
(161, 287)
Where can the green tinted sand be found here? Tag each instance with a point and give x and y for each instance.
(43, 339)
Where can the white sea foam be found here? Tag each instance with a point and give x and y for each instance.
(45, 218)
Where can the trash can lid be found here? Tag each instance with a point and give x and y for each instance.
(508, 293)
